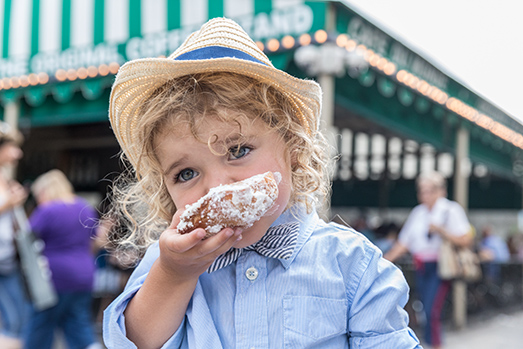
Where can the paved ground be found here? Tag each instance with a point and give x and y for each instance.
(500, 331)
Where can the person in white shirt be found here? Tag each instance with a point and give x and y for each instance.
(434, 219)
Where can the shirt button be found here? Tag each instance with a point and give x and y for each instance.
(252, 273)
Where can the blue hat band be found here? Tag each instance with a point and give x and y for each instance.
(212, 52)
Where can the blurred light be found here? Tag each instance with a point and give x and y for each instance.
(351, 45)
(374, 59)
(82, 73)
(305, 39)
(43, 78)
(413, 82)
(71, 75)
(442, 98)
(15, 82)
(6, 82)
(113, 67)
(407, 78)
(60, 75)
(288, 42)
(260, 45)
(423, 87)
(342, 40)
(24, 81)
(361, 49)
(92, 71)
(382, 62)
(33, 79)
(273, 45)
(320, 36)
(390, 68)
(401, 75)
(103, 69)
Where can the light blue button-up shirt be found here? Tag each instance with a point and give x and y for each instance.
(335, 291)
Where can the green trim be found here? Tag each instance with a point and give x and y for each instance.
(173, 14)
(262, 6)
(7, 22)
(99, 22)
(214, 8)
(35, 30)
(135, 19)
(66, 24)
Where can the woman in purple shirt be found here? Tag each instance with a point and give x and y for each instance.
(66, 224)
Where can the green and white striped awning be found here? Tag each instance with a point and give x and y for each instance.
(47, 35)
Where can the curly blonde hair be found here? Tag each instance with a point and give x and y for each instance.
(141, 201)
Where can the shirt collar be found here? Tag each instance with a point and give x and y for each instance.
(307, 221)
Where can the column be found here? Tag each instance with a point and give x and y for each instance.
(461, 185)
(11, 115)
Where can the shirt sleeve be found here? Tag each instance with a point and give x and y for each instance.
(458, 223)
(376, 317)
(114, 331)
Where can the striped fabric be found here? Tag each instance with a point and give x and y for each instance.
(30, 27)
(278, 242)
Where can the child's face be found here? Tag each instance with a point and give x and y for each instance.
(190, 168)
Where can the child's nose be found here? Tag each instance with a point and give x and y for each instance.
(220, 178)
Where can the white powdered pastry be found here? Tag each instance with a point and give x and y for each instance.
(239, 204)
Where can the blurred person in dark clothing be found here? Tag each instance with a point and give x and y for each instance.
(14, 306)
(66, 224)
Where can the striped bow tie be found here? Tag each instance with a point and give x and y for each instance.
(278, 242)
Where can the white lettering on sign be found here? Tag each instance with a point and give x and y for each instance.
(75, 58)
(158, 44)
(287, 21)
(426, 71)
(293, 20)
(368, 35)
(13, 67)
(406, 59)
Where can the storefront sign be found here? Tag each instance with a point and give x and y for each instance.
(374, 38)
(294, 20)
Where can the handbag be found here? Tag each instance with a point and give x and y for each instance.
(34, 266)
(458, 263)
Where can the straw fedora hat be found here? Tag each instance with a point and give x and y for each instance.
(220, 45)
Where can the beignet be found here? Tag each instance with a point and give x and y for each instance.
(239, 204)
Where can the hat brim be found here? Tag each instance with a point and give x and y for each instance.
(138, 79)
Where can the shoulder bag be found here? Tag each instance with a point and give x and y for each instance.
(458, 263)
(35, 269)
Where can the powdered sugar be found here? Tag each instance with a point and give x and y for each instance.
(239, 204)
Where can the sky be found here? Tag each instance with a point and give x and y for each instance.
(477, 42)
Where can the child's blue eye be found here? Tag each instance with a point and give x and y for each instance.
(238, 152)
(186, 175)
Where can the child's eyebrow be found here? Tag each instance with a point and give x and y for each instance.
(239, 138)
(174, 165)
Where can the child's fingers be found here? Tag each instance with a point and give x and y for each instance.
(179, 243)
(176, 219)
(218, 244)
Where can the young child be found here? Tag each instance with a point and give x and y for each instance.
(217, 112)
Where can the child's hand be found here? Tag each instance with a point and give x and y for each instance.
(188, 256)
